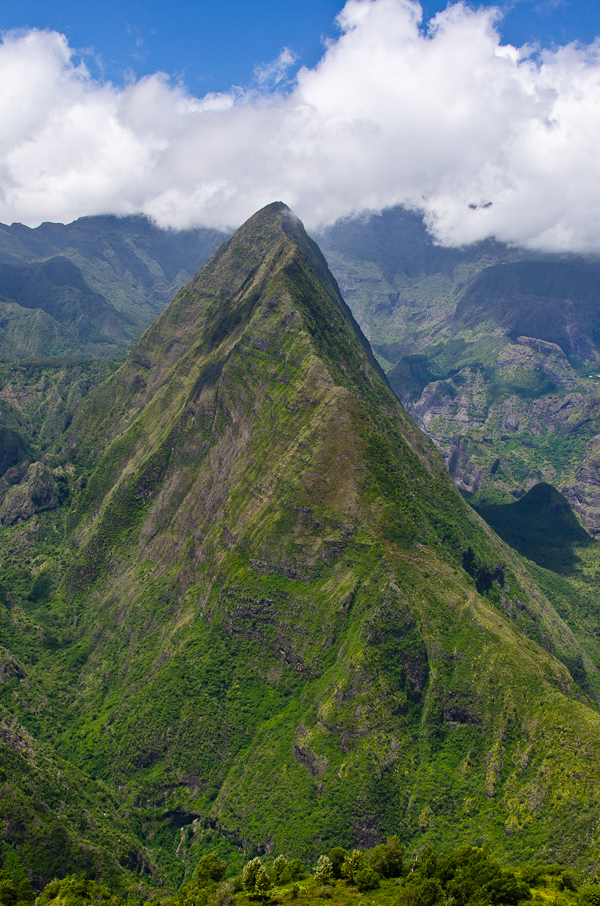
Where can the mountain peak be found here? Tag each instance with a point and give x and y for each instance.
(282, 549)
(269, 273)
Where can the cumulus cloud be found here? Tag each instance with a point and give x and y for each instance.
(486, 139)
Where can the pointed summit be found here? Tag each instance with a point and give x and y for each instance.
(269, 278)
(281, 583)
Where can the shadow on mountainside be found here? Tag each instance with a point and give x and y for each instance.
(541, 526)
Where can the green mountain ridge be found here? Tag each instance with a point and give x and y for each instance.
(264, 616)
(92, 286)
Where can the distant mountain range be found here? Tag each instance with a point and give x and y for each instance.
(90, 287)
(494, 350)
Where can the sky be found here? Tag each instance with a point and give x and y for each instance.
(486, 118)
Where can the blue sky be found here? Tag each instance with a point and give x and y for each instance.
(213, 45)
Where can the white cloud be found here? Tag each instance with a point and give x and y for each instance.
(447, 121)
(271, 74)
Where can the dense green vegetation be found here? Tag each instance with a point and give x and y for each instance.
(468, 876)
(246, 611)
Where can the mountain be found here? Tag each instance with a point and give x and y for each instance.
(493, 349)
(92, 286)
(553, 301)
(262, 615)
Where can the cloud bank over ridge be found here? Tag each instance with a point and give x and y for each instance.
(447, 120)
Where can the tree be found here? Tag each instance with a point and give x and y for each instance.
(324, 871)
(210, 870)
(295, 869)
(366, 879)
(284, 872)
(263, 883)
(336, 857)
(25, 893)
(250, 873)
(280, 872)
(8, 893)
(387, 858)
(353, 863)
(422, 892)
(590, 895)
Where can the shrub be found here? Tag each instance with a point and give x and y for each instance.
(353, 863)
(324, 871)
(250, 873)
(336, 857)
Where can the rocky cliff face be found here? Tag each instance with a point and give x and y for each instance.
(583, 491)
(491, 438)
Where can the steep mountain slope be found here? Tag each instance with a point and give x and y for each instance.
(54, 819)
(266, 617)
(300, 631)
(38, 399)
(91, 286)
(555, 301)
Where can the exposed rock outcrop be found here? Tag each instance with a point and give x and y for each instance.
(42, 489)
